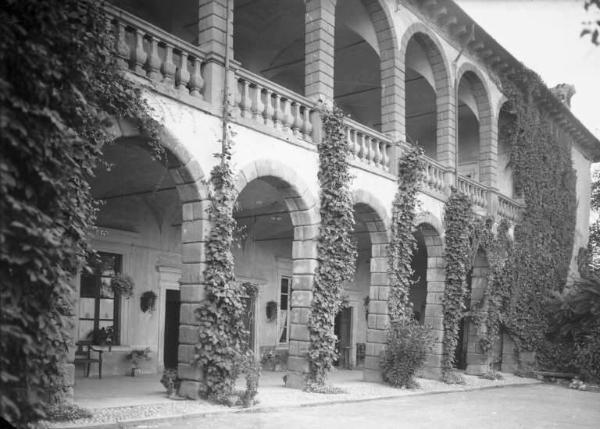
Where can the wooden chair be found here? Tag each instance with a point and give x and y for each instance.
(83, 354)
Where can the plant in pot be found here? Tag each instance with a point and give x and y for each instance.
(122, 285)
(136, 356)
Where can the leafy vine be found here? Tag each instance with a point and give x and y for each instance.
(403, 243)
(223, 349)
(543, 173)
(335, 248)
(458, 218)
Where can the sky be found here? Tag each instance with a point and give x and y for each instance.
(544, 35)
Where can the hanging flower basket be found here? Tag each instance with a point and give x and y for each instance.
(148, 301)
(122, 284)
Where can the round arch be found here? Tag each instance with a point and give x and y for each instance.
(434, 51)
(488, 128)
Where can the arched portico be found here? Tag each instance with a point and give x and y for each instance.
(286, 198)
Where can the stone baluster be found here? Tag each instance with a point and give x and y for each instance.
(122, 48)
(386, 157)
(287, 118)
(350, 142)
(377, 156)
(182, 77)
(257, 104)
(308, 126)
(278, 114)
(196, 81)
(246, 104)
(269, 110)
(139, 54)
(298, 120)
(153, 61)
(237, 102)
(168, 66)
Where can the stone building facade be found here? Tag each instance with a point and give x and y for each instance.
(405, 71)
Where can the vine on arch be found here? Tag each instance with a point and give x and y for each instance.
(336, 251)
(458, 218)
(403, 243)
(223, 349)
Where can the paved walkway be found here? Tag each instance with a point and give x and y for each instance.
(130, 399)
(531, 407)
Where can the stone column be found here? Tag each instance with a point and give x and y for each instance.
(488, 151)
(212, 30)
(304, 254)
(194, 231)
(319, 49)
(378, 320)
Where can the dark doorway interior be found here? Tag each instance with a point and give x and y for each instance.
(460, 354)
(342, 330)
(171, 328)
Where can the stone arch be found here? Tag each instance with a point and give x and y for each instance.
(390, 65)
(374, 216)
(441, 70)
(436, 283)
(303, 210)
(188, 177)
(488, 127)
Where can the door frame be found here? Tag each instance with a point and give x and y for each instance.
(168, 278)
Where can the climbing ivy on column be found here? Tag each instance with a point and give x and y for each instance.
(336, 251)
(223, 348)
(457, 218)
(403, 243)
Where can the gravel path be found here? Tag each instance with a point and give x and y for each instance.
(273, 396)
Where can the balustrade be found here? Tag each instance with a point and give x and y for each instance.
(268, 104)
(368, 146)
(478, 193)
(153, 53)
(434, 176)
(508, 208)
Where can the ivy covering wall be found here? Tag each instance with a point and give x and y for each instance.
(336, 251)
(544, 176)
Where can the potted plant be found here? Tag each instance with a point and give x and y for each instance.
(122, 284)
(136, 356)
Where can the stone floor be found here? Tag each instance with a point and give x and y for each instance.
(128, 399)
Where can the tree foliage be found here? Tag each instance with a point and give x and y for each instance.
(59, 89)
(336, 251)
(591, 28)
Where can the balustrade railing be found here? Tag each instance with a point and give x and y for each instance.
(435, 176)
(271, 105)
(368, 146)
(477, 192)
(508, 208)
(151, 52)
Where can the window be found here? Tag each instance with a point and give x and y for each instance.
(98, 305)
(284, 309)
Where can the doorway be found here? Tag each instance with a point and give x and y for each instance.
(172, 303)
(342, 329)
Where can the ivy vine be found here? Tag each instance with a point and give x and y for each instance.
(458, 219)
(223, 349)
(403, 243)
(336, 251)
(543, 173)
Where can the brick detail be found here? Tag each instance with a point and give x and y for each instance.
(212, 24)
(319, 47)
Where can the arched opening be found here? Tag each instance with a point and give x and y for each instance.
(421, 104)
(469, 138)
(264, 256)
(139, 236)
(418, 290)
(178, 17)
(268, 39)
(427, 294)
(352, 321)
(506, 123)
(357, 70)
